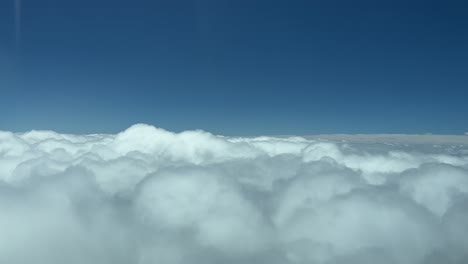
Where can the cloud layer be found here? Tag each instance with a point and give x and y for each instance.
(147, 195)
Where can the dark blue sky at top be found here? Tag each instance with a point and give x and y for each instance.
(236, 67)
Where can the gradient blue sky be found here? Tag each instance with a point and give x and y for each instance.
(236, 67)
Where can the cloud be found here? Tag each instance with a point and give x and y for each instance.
(147, 195)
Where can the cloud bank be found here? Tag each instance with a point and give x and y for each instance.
(147, 195)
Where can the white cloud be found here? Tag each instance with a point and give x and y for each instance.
(147, 195)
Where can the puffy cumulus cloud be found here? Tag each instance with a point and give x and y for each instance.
(147, 195)
(207, 204)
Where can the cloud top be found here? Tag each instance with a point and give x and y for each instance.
(147, 195)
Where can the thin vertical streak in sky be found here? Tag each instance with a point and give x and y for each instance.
(18, 23)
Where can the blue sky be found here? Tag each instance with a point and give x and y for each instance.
(236, 67)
